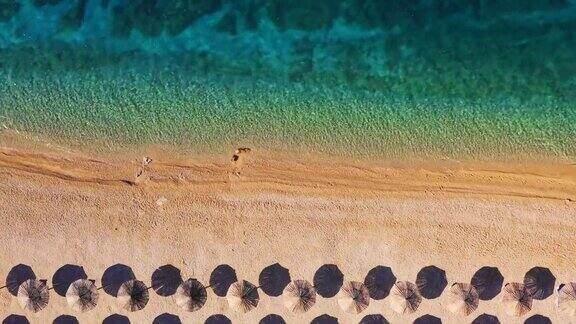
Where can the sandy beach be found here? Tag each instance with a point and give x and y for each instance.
(66, 207)
(353, 143)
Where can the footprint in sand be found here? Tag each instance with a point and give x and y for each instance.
(238, 159)
(161, 201)
(142, 174)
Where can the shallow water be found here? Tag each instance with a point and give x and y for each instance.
(374, 77)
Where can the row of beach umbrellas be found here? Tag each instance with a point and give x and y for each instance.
(300, 295)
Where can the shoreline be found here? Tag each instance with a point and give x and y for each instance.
(195, 213)
(291, 171)
(207, 113)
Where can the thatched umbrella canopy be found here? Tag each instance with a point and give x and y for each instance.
(463, 299)
(567, 299)
(133, 295)
(404, 297)
(299, 296)
(191, 295)
(242, 296)
(82, 295)
(516, 299)
(353, 297)
(33, 295)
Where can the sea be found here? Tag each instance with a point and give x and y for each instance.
(378, 78)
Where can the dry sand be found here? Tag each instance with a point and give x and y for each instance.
(62, 207)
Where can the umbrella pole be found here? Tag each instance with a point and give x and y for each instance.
(53, 286)
(103, 287)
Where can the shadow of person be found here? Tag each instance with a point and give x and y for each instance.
(431, 282)
(374, 319)
(15, 319)
(379, 282)
(486, 319)
(427, 319)
(116, 319)
(114, 276)
(272, 319)
(218, 319)
(221, 278)
(324, 319)
(65, 319)
(328, 280)
(17, 275)
(488, 282)
(273, 279)
(166, 279)
(65, 276)
(167, 319)
(539, 282)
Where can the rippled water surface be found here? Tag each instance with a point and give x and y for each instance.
(366, 77)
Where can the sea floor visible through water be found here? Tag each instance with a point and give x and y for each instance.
(109, 107)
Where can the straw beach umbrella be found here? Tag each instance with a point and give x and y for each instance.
(191, 295)
(82, 295)
(353, 297)
(404, 297)
(516, 299)
(299, 296)
(566, 301)
(463, 299)
(242, 296)
(133, 295)
(33, 295)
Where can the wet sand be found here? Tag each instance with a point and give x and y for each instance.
(59, 206)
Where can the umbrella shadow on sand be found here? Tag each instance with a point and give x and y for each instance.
(488, 282)
(379, 282)
(65, 319)
(272, 319)
(431, 282)
(328, 280)
(374, 319)
(539, 282)
(65, 276)
(221, 278)
(167, 318)
(324, 319)
(273, 279)
(15, 319)
(166, 279)
(428, 319)
(218, 319)
(116, 319)
(17, 275)
(486, 319)
(538, 319)
(114, 276)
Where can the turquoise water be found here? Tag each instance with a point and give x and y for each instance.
(386, 78)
